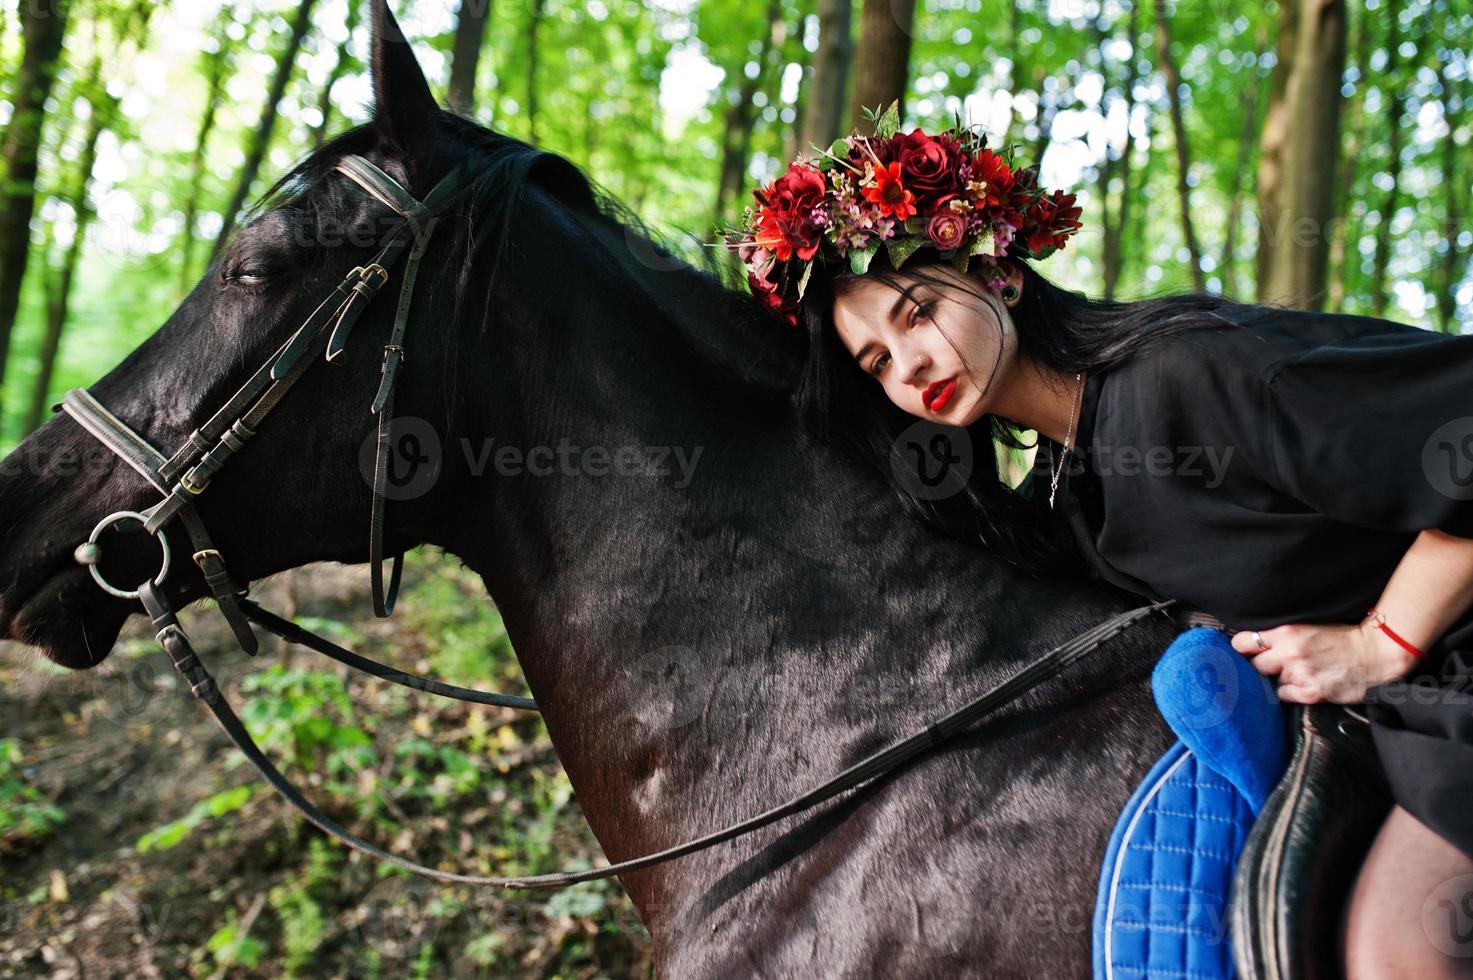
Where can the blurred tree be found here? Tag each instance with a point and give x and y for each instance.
(1179, 139)
(882, 65)
(43, 26)
(260, 140)
(536, 12)
(1272, 206)
(1456, 245)
(741, 114)
(127, 27)
(216, 62)
(823, 116)
(470, 35)
(1252, 96)
(340, 67)
(1298, 270)
(1111, 165)
(1345, 179)
(1395, 108)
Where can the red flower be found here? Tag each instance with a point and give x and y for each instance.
(890, 194)
(947, 228)
(931, 166)
(785, 223)
(990, 171)
(1052, 220)
(770, 298)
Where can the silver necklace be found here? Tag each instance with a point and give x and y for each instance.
(1068, 438)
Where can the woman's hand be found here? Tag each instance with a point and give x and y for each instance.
(1325, 663)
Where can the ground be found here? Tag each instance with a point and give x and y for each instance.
(173, 858)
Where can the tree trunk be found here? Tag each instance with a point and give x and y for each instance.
(883, 62)
(1395, 107)
(1113, 228)
(1276, 120)
(1456, 179)
(339, 69)
(1018, 73)
(261, 141)
(741, 117)
(1340, 254)
(1254, 94)
(465, 55)
(217, 68)
(823, 117)
(1297, 276)
(534, 23)
(43, 25)
(1183, 151)
(58, 300)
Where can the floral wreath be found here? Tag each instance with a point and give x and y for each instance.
(904, 191)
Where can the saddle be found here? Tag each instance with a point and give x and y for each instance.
(1299, 863)
(1235, 855)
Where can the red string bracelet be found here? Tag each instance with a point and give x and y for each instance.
(1380, 622)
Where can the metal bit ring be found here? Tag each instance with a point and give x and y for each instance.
(90, 553)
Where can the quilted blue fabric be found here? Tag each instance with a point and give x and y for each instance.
(1161, 908)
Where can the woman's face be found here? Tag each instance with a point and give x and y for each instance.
(940, 352)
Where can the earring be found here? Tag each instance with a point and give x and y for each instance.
(1009, 293)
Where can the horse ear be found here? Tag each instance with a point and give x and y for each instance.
(403, 105)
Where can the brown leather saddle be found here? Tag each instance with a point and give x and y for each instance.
(1300, 861)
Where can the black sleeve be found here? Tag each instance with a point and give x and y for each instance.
(1378, 431)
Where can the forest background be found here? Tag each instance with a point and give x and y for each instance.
(1317, 153)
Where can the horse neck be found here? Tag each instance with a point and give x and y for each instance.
(702, 640)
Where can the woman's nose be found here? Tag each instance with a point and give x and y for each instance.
(911, 362)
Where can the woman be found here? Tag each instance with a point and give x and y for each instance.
(1303, 477)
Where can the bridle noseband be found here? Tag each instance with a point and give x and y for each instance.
(180, 478)
(184, 476)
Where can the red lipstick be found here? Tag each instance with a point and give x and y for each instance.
(938, 394)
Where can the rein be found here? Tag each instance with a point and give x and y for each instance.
(184, 475)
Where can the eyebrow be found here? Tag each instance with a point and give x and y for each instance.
(894, 311)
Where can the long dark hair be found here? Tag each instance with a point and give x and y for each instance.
(1067, 331)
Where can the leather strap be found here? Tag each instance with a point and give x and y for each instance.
(172, 637)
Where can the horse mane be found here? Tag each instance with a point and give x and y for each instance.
(725, 330)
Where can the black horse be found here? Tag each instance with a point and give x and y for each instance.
(712, 613)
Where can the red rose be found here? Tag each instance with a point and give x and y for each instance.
(931, 167)
(947, 228)
(785, 222)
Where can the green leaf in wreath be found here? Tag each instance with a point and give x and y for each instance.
(859, 259)
(889, 124)
(803, 282)
(985, 244)
(901, 249)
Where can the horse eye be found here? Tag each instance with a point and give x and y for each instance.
(247, 274)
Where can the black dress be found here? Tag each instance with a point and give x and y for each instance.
(1273, 467)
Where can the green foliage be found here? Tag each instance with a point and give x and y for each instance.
(25, 815)
(231, 947)
(299, 909)
(171, 834)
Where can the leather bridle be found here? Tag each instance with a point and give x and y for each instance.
(180, 478)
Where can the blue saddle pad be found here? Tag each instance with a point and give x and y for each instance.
(1161, 908)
